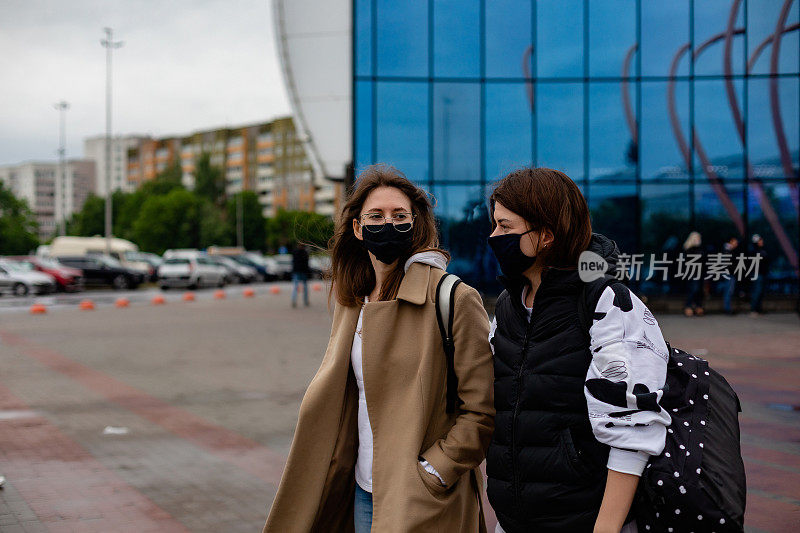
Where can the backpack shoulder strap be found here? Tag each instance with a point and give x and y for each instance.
(588, 298)
(445, 311)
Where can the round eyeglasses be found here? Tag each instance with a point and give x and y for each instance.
(374, 222)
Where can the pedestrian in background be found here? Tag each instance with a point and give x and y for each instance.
(731, 247)
(300, 273)
(378, 446)
(757, 287)
(694, 302)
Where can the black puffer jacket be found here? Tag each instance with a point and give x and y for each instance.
(546, 470)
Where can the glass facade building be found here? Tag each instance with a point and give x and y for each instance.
(670, 116)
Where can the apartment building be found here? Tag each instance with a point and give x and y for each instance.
(94, 149)
(37, 182)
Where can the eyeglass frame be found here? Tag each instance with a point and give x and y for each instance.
(378, 227)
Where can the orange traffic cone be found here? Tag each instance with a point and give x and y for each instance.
(157, 300)
(275, 289)
(122, 302)
(219, 295)
(38, 309)
(316, 287)
(188, 296)
(248, 293)
(86, 305)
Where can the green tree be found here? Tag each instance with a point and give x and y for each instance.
(209, 180)
(170, 220)
(90, 220)
(213, 226)
(18, 227)
(254, 223)
(289, 227)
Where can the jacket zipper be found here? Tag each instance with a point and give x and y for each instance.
(514, 469)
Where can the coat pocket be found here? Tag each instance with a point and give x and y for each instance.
(574, 455)
(432, 483)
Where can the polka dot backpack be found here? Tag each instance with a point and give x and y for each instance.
(698, 482)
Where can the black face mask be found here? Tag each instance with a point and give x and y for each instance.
(508, 253)
(387, 244)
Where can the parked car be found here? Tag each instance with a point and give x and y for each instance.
(252, 262)
(236, 272)
(191, 272)
(319, 265)
(67, 279)
(182, 252)
(82, 246)
(104, 270)
(153, 261)
(21, 280)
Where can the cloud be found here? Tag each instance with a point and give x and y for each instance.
(185, 65)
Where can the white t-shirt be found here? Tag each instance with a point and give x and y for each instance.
(364, 459)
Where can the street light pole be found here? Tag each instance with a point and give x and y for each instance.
(60, 208)
(109, 44)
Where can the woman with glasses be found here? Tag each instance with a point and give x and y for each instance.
(376, 448)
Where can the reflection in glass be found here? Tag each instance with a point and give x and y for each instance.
(364, 129)
(716, 131)
(612, 34)
(762, 19)
(711, 215)
(612, 150)
(710, 22)
(456, 38)
(665, 28)
(402, 37)
(779, 197)
(508, 126)
(456, 132)
(402, 115)
(559, 127)
(771, 156)
(613, 210)
(660, 157)
(508, 36)
(665, 224)
(559, 38)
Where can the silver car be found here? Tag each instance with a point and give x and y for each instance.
(22, 280)
(191, 272)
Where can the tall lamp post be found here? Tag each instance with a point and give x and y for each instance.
(61, 180)
(109, 44)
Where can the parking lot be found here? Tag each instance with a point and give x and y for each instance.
(178, 417)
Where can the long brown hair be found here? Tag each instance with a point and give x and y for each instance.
(547, 198)
(351, 270)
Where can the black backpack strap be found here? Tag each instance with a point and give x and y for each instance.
(446, 307)
(588, 298)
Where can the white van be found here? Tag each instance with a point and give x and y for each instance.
(97, 245)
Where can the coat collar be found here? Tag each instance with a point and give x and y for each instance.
(414, 287)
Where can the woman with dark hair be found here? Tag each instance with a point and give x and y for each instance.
(577, 410)
(375, 447)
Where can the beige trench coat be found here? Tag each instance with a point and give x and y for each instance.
(405, 375)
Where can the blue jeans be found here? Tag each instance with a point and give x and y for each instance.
(297, 279)
(363, 510)
(730, 293)
(757, 294)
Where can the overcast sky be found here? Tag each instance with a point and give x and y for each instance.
(185, 65)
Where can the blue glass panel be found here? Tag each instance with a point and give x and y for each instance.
(780, 202)
(762, 21)
(456, 132)
(612, 151)
(666, 218)
(508, 38)
(363, 37)
(559, 127)
(456, 38)
(508, 126)
(660, 155)
(710, 22)
(364, 127)
(402, 124)
(763, 146)
(464, 226)
(559, 38)
(665, 29)
(712, 218)
(402, 37)
(716, 130)
(612, 35)
(613, 211)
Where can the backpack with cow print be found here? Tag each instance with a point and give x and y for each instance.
(698, 482)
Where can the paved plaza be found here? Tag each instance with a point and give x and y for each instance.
(179, 417)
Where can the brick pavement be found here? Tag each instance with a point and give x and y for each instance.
(209, 392)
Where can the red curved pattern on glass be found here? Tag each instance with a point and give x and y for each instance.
(626, 99)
